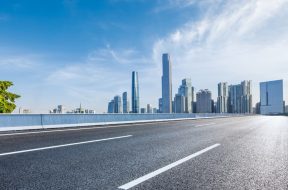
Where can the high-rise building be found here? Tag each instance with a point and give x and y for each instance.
(111, 106)
(126, 105)
(179, 103)
(240, 98)
(135, 93)
(222, 99)
(166, 84)
(117, 104)
(143, 110)
(160, 105)
(271, 97)
(149, 108)
(185, 90)
(204, 101)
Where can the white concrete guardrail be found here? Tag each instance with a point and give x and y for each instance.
(10, 122)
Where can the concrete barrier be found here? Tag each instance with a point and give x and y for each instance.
(44, 121)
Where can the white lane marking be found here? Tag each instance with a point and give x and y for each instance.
(168, 167)
(63, 145)
(207, 124)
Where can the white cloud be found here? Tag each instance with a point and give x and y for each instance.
(242, 40)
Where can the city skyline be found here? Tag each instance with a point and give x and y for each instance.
(209, 42)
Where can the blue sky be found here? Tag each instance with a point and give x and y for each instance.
(72, 51)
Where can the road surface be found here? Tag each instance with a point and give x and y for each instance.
(228, 153)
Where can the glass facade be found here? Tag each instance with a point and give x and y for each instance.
(166, 84)
(271, 97)
(135, 93)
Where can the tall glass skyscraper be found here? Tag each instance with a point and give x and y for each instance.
(135, 93)
(271, 97)
(186, 90)
(166, 84)
(222, 99)
(125, 103)
(240, 97)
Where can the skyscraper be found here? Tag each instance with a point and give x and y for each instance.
(186, 90)
(111, 106)
(204, 101)
(117, 104)
(149, 108)
(126, 105)
(166, 84)
(222, 99)
(135, 93)
(160, 105)
(179, 103)
(240, 98)
(271, 97)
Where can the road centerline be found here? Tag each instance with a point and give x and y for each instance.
(63, 145)
(165, 168)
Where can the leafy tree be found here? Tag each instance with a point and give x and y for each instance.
(7, 99)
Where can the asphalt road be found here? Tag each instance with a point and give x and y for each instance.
(228, 153)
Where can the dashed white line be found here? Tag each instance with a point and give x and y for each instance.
(63, 145)
(168, 167)
(207, 124)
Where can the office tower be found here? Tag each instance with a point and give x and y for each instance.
(143, 110)
(257, 108)
(166, 84)
(135, 92)
(117, 104)
(111, 106)
(154, 110)
(149, 108)
(179, 103)
(222, 99)
(185, 90)
(204, 101)
(126, 105)
(240, 98)
(246, 99)
(160, 105)
(271, 97)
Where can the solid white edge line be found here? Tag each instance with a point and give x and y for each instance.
(63, 145)
(168, 167)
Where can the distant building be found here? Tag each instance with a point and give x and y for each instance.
(257, 108)
(26, 111)
(59, 109)
(143, 110)
(179, 103)
(117, 104)
(222, 99)
(166, 84)
(149, 108)
(240, 98)
(135, 92)
(160, 105)
(271, 97)
(111, 106)
(204, 101)
(155, 110)
(126, 104)
(286, 109)
(186, 90)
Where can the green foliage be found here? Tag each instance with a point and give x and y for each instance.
(7, 99)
